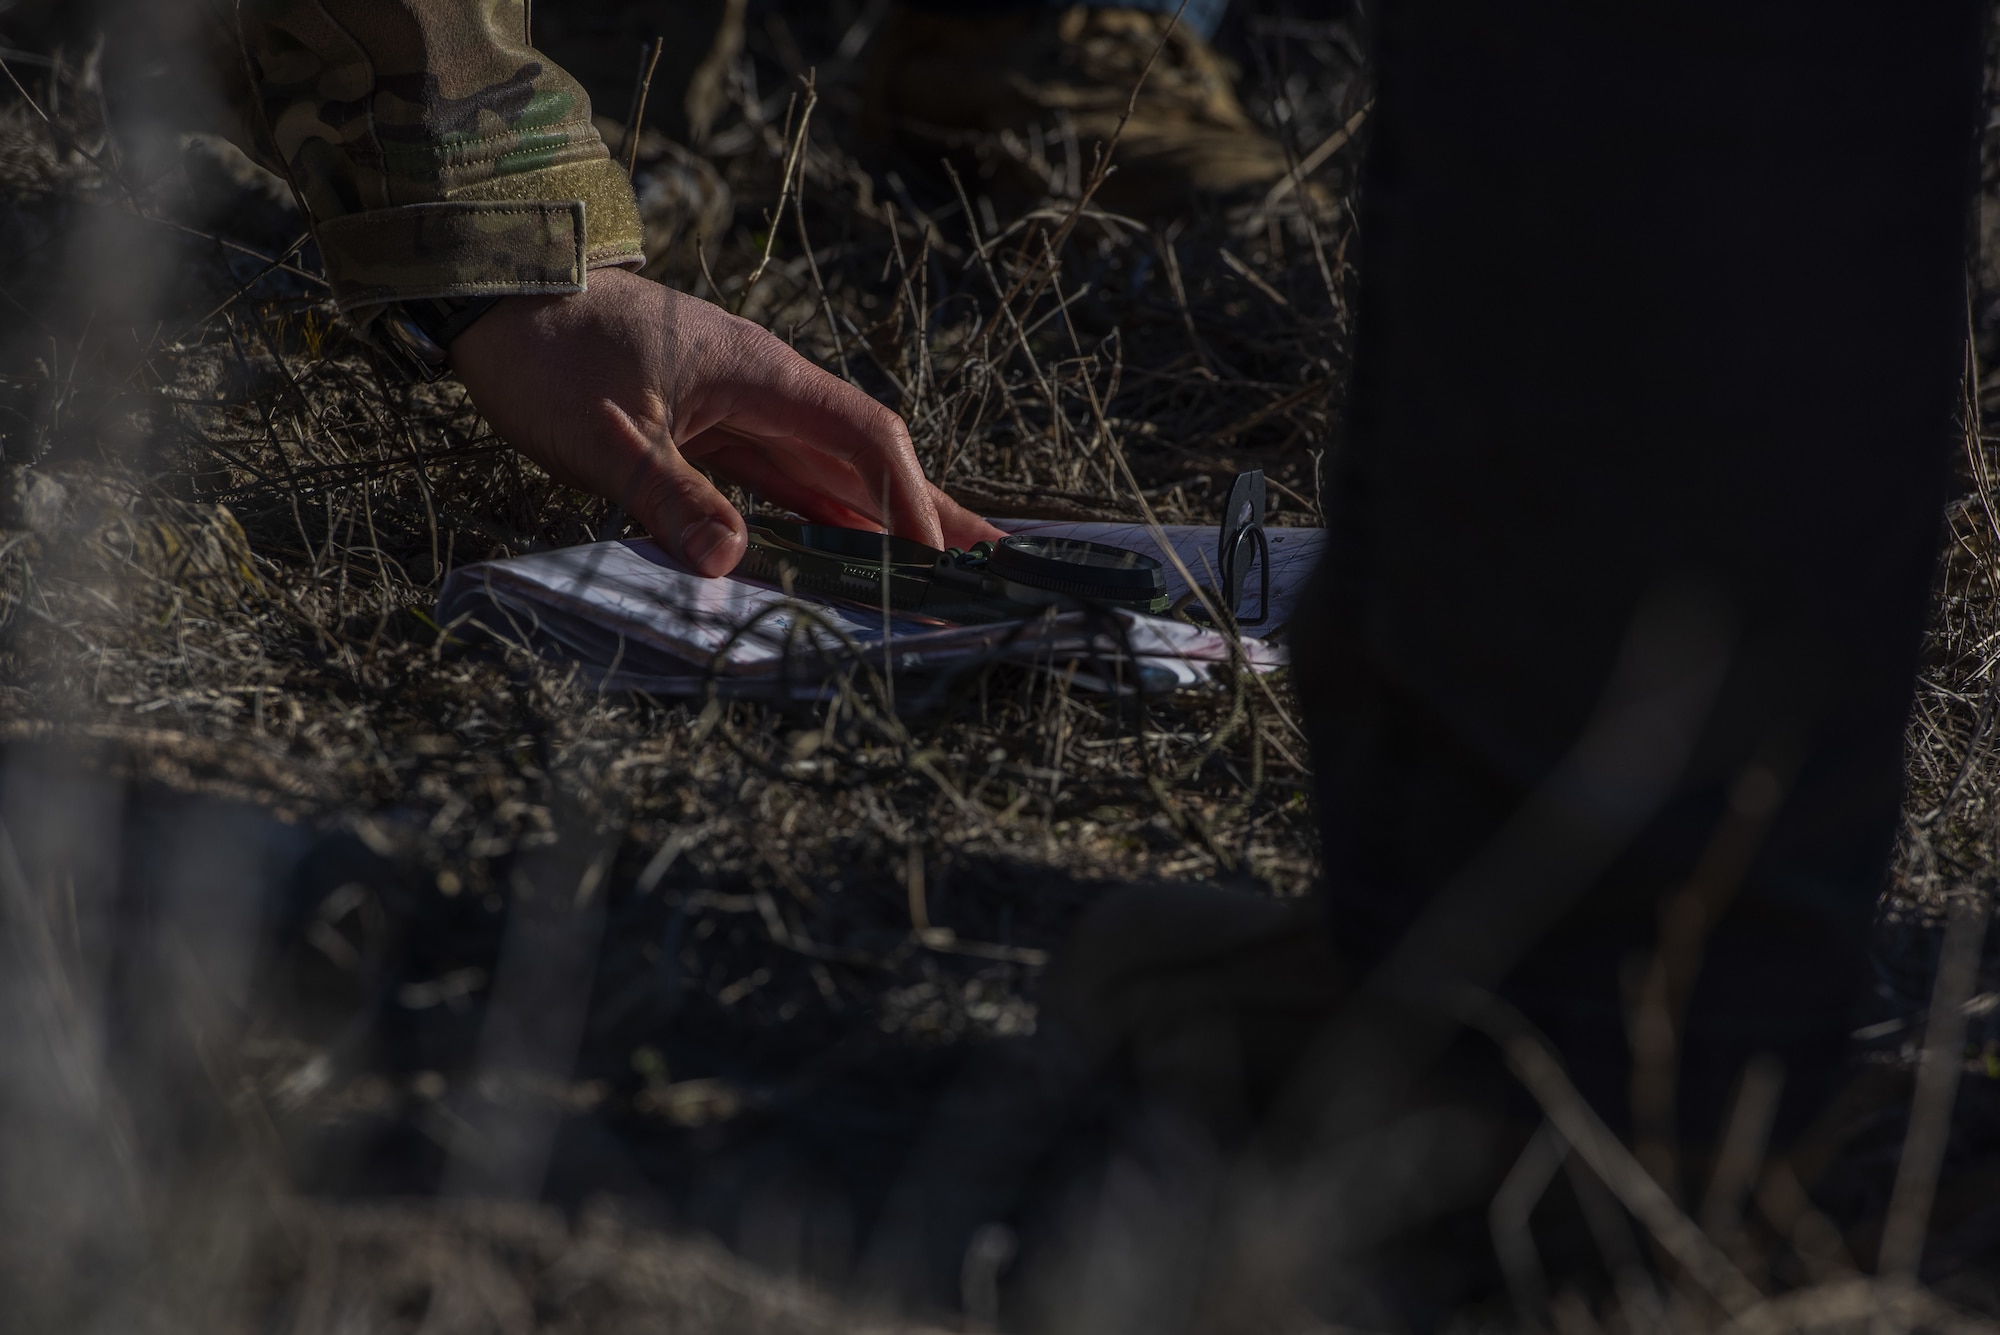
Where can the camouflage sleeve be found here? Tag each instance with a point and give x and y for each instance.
(437, 152)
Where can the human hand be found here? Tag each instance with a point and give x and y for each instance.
(622, 389)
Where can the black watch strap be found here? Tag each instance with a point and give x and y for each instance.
(419, 334)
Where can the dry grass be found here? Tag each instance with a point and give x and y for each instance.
(224, 526)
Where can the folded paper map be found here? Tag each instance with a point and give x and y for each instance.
(634, 619)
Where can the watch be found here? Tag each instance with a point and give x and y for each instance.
(419, 334)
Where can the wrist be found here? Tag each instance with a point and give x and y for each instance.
(420, 333)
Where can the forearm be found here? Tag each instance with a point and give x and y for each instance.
(436, 152)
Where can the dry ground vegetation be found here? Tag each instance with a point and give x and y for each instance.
(226, 522)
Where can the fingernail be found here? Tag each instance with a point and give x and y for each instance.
(702, 539)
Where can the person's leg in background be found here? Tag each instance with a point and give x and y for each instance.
(1018, 92)
(981, 80)
(1660, 307)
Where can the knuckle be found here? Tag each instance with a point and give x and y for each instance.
(747, 339)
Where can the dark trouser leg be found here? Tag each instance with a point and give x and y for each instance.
(1663, 298)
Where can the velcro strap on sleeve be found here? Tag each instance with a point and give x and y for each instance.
(463, 248)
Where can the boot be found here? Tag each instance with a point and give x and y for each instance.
(1024, 98)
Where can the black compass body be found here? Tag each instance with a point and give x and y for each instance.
(1002, 581)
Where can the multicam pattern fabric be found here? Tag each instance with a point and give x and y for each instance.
(437, 152)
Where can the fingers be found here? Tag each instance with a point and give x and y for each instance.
(826, 490)
(961, 527)
(680, 507)
(793, 402)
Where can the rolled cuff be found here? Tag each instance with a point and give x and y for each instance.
(485, 247)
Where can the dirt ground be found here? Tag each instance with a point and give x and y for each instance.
(276, 852)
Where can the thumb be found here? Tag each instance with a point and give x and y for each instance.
(681, 508)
